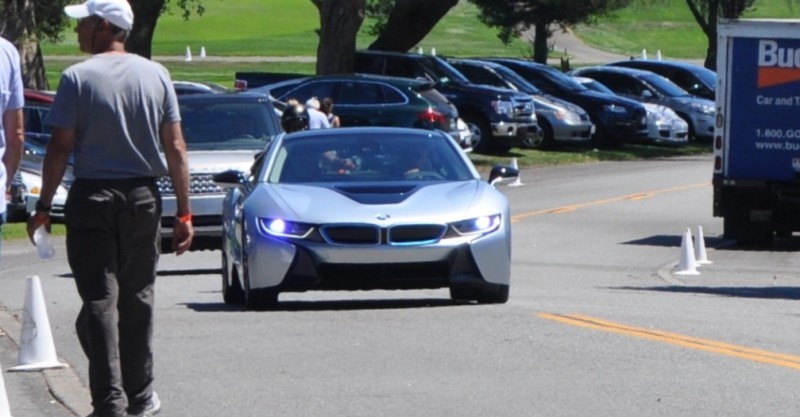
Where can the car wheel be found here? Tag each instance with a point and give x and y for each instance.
(533, 142)
(493, 294)
(257, 299)
(232, 292)
(460, 293)
(481, 133)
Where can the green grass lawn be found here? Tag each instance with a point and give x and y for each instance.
(667, 26)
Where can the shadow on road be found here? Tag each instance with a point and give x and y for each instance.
(334, 305)
(781, 293)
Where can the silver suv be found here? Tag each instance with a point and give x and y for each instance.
(222, 132)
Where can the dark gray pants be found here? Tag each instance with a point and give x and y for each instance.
(113, 247)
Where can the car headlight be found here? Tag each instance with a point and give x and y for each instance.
(568, 116)
(477, 225)
(703, 108)
(503, 107)
(284, 228)
(613, 108)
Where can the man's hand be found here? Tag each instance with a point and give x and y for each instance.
(182, 235)
(35, 221)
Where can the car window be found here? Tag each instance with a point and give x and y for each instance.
(367, 93)
(480, 75)
(362, 158)
(307, 90)
(227, 126)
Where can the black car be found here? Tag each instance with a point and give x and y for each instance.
(371, 100)
(697, 80)
(618, 120)
(499, 118)
(560, 121)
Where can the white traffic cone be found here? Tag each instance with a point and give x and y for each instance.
(518, 181)
(700, 255)
(420, 51)
(202, 52)
(644, 53)
(5, 409)
(188, 54)
(37, 350)
(433, 51)
(687, 264)
(658, 55)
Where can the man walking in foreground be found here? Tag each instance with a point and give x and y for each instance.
(12, 135)
(112, 111)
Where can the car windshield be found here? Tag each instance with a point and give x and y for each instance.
(227, 125)
(447, 72)
(517, 80)
(367, 157)
(664, 86)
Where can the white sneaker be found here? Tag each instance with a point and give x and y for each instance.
(152, 408)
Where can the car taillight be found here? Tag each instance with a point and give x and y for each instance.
(431, 115)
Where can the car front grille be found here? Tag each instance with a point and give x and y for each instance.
(523, 108)
(370, 235)
(200, 184)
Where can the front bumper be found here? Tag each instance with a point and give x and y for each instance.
(206, 221)
(513, 133)
(291, 265)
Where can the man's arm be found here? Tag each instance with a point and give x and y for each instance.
(178, 165)
(13, 125)
(55, 164)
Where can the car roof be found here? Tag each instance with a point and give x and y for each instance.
(662, 63)
(229, 97)
(373, 131)
(372, 77)
(634, 72)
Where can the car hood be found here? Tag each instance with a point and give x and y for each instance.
(217, 161)
(363, 202)
(555, 103)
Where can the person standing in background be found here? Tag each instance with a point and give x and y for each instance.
(12, 134)
(115, 111)
(316, 118)
(327, 107)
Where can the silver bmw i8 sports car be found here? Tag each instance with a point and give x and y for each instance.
(360, 209)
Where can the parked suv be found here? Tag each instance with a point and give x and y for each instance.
(560, 120)
(222, 132)
(617, 120)
(499, 118)
(649, 87)
(374, 100)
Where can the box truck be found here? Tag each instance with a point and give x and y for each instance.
(756, 176)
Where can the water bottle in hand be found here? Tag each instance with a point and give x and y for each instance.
(44, 243)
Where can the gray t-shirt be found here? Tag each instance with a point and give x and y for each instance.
(116, 104)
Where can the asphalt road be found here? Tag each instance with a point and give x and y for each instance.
(597, 322)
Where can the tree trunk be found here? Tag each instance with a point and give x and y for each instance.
(340, 21)
(540, 48)
(20, 27)
(409, 22)
(146, 12)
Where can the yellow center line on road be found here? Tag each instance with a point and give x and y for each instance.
(756, 355)
(637, 196)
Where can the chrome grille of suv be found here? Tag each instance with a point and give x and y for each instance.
(523, 107)
(200, 184)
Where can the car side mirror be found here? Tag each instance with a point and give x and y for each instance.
(501, 172)
(229, 179)
(647, 94)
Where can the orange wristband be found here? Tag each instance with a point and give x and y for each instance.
(186, 218)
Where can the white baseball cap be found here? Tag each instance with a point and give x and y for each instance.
(118, 12)
(312, 103)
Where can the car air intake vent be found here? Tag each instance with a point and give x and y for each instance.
(372, 189)
(418, 234)
(351, 234)
(200, 184)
